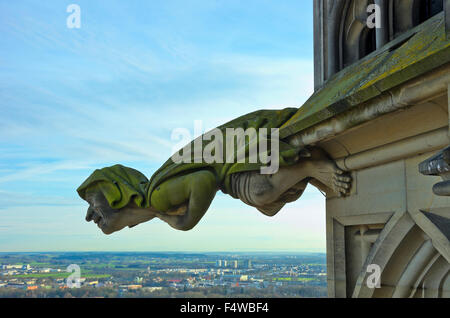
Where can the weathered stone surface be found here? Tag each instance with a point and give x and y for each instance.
(447, 17)
(442, 223)
(381, 118)
(415, 53)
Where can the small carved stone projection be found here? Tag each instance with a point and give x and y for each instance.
(438, 165)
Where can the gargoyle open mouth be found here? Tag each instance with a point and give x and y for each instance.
(98, 217)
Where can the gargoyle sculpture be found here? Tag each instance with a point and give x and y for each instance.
(181, 191)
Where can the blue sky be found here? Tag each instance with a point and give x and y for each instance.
(73, 100)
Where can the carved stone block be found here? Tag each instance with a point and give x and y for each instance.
(438, 165)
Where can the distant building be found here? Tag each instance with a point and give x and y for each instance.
(12, 266)
(235, 264)
(152, 289)
(175, 282)
(130, 287)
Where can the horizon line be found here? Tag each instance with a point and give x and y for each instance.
(168, 251)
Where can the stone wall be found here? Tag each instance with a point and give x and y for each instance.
(392, 219)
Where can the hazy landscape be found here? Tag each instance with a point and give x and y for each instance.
(106, 274)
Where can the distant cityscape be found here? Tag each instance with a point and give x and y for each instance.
(162, 275)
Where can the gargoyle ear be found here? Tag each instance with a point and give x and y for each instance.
(304, 153)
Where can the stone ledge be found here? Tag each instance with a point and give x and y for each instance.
(411, 55)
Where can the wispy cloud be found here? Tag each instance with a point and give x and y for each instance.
(114, 90)
(21, 199)
(43, 169)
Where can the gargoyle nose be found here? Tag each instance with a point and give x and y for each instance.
(89, 214)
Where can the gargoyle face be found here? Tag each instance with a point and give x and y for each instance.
(109, 220)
